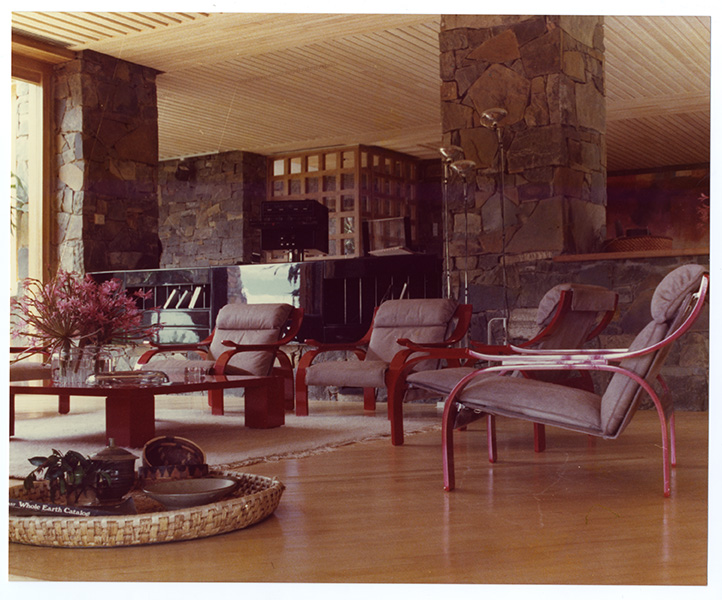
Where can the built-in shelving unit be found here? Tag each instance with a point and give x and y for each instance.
(184, 301)
(631, 254)
(356, 184)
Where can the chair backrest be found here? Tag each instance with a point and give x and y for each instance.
(670, 306)
(571, 314)
(424, 321)
(250, 324)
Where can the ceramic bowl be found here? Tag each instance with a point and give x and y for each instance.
(172, 450)
(183, 493)
(166, 472)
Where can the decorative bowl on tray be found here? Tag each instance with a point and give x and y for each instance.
(128, 378)
(182, 493)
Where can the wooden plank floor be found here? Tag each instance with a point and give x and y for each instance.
(370, 512)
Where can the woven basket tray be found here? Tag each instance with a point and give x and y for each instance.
(638, 243)
(255, 499)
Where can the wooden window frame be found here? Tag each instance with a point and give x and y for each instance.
(33, 62)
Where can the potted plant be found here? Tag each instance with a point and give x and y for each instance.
(72, 476)
(76, 318)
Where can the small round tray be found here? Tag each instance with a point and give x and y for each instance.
(255, 499)
(128, 378)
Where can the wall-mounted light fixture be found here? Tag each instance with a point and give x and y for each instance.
(449, 154)
(490, 119)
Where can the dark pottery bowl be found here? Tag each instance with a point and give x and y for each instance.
(171, 472)
(183, 493)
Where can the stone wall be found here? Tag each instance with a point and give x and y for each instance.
(207, 208)
(107, 152)
(687, 367)
(547, 73)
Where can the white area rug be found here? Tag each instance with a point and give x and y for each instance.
(224, 439)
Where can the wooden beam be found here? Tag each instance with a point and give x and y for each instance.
(38, 50)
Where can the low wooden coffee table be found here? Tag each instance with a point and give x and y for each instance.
(130, 409)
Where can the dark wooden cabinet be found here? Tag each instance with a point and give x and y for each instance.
(184, 301)
(338, 296)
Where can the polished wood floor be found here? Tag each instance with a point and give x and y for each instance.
(370, 512)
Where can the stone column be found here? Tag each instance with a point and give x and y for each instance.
(208, 205)
(547, 72)
(107, 153)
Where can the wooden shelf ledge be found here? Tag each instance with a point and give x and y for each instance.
(633, 254)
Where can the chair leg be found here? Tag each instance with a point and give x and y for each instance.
(286, 371)
(672, 441)
(369, 398)
(666, 463)
(491, 437)
(540, 438)
(288, 386)
(301, 394)
(396, 407)
(447, 445)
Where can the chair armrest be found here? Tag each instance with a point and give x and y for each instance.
(201, 348)
(503, 349)
(270, 346)
(411, 345)
(222, 361)
(337, 346)
(522, 351)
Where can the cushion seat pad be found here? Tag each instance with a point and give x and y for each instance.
(534, 400)
(439, 380)
(24, 371)
(171, 366)
(349, 373)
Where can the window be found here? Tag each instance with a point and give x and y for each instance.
(26, 193)
(31, 167)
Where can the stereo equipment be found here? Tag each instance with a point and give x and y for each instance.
(294, 225)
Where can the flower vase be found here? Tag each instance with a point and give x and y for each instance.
(71, 367)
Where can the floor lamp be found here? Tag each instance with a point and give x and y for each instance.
(449, 154)
(466, 169)
(490, 119)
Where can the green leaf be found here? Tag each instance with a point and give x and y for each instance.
(78, 475)
(54, 473)
(38, 461)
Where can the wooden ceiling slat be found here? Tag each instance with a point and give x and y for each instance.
(273, 82)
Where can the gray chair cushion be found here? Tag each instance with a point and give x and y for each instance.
(249, 324)
(669, 296)
(673, 289)
(534, 400)
(587, 298)
(175, 367)
(439, 380)
(28, 370)
(349, 373)
(422, 321)
(242, 324)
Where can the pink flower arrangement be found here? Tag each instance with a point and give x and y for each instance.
(71, 310)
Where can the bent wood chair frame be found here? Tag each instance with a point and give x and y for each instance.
(592, 360)
(455, 357)
(462, 316)
(284, 368)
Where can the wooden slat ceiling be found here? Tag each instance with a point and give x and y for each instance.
(271, 83)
